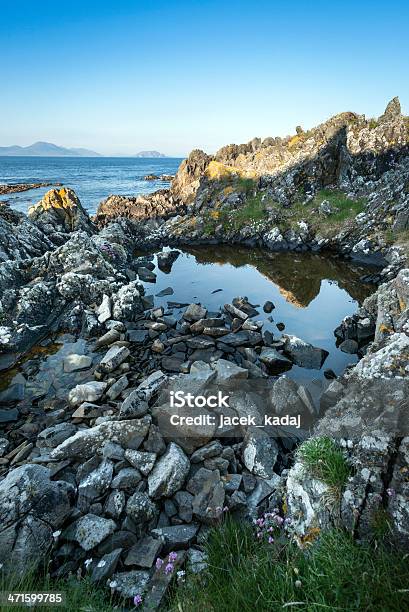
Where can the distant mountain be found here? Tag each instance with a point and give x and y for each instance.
(46, 149)
(149, 154)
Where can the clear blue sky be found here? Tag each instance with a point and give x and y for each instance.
(172, 75)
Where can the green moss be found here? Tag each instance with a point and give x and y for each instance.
(324, 460)
(334, 573)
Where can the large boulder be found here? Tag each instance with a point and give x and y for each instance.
(32, 507)
(61, 210)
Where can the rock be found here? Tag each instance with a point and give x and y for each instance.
(146, 275)
(62, 210)
(235, 312)
(228, 371)
(113, 358)
(55, 435)
(138, 336)
(184, 501)
(286, 397)
(95, 483)
(242, 338)
(169, 473)
(268, 307)
(176, 537)
(116, 389)
(194, 312)
(87, 442)
(32, 507)
(166, 291)
(9, 416)
(392, 110)
(259, 453)
(349, 346)
(4, 444)
(213, 449)
(208, 503)
(106, 566)
(197, 560)
(140, 508)
(304, 354)
(88, 392)
(144, 552)
(126, 479)
(166, 260)
(143, 461)
(89, 530)
(130, 584)
(73, 362)
(109, 338)
(127, 302)
(104, 310)
(276, 362)
(115, 504)
(135, 404)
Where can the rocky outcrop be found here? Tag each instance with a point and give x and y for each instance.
(60, 211)
(158, 205)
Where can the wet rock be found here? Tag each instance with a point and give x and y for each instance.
(166, 260)
(169, 473)
(113, 358)
(275, 361)
(86, 443)
(144, 552)
(32, 507)
(268, 307)
(235, 312)
(140, 508)
(88, 392)
(146, 275)
(166, 291)
(349, 346)
(259, 453)
(194, 312)
(304, 354)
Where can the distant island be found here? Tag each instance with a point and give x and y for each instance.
(149, 154)
(45, 149)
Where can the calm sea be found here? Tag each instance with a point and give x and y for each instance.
(92, 178)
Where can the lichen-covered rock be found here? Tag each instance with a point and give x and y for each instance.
(169, 473)
(62, 210)
(90, 530)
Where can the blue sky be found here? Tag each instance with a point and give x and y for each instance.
(171, 75)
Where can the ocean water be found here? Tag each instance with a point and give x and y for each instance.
(92, 178)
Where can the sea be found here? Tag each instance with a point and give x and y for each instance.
(92, 178)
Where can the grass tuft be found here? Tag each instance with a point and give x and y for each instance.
(324, 460)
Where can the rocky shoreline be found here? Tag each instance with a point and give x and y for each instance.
(93, 477)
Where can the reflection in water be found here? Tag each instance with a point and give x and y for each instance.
(297, 276)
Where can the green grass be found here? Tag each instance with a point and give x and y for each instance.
(324, 460)
(334, 573)
(80, 595)
(252, 211)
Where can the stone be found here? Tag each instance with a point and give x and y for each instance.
(235, 312)
(89, 530)
(110, 337)
(304, 354)
(259, 453)
(73, 363)
(176, 537)
(143, 461)
(104, 309)
(213, 449)
(232, 482)
(268, 307)
(349, 346)
(32, 507)
(126, 479)
(87, 392)
(146, 275)
(144, 553)
(208, 503)
(106, 566)
(9, 416)
(276, 362)
(286, 397)
(197, 560)
(87, 442)
(138, 336)
(116, 389)
(115, 504)
(55, 435)
(140, 508)
(95, 483)
(194, 312)
(169, 473)
(113, 358)
(166, 259)
(228, 371)
(130, 584)
(242, 338)
(4, 444)
(166, 291)
(184, 501)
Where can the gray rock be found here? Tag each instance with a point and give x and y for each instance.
(209, 501)
(116, 389)
(235, 312)
(113, 358)
(104, 309)
(197, 560)
(242, 338)
(140, 508)
(143, 461)
(4, 444)
(349, 346)
(169, 473)
(88, 392)
(176, 537)
(115, 504)
(146, 275)
(268, 307)
(144, 552)
(259, 452)
(89, 530)
(95, 483)
(184, 501)
(228, 371)
(194, 312)
(106, 566)
(304, 354)
(74, 362)
(55, 435)
(130, 584)
(213, 449)
(138, 336)
(275, 361)
(126, 479)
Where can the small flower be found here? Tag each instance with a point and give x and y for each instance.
(391, 492)
(113, 584)
(297, 584)
(172, 557)
(259, 534)
(87, 563)
(137, 600)
(218, 509)
(279, 520)
(159, 563)
(102, 563)
(225, 509)
(270, 540)
(260, 522)
(270, 529)
(56, 535)
(181, 575)
(169, 568)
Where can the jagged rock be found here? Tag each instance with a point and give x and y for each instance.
(88, 392)
(275, 361)
(228, 371)
(392, 110)
(304, 354)
(89, 530)
(166, 260)
(32, 507)
(126, 479)
(130, 584)
(86, 443)
(194, 312)
(113, 358)
(208, 503)
(104, 309)
(115, 504)
(62, 210)
(106, 566)
(73, 363)
(260, 453)
(169, 473)
(55, 435)
(140, 508)
(144, 552)
(143, 461)
(176, 537)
